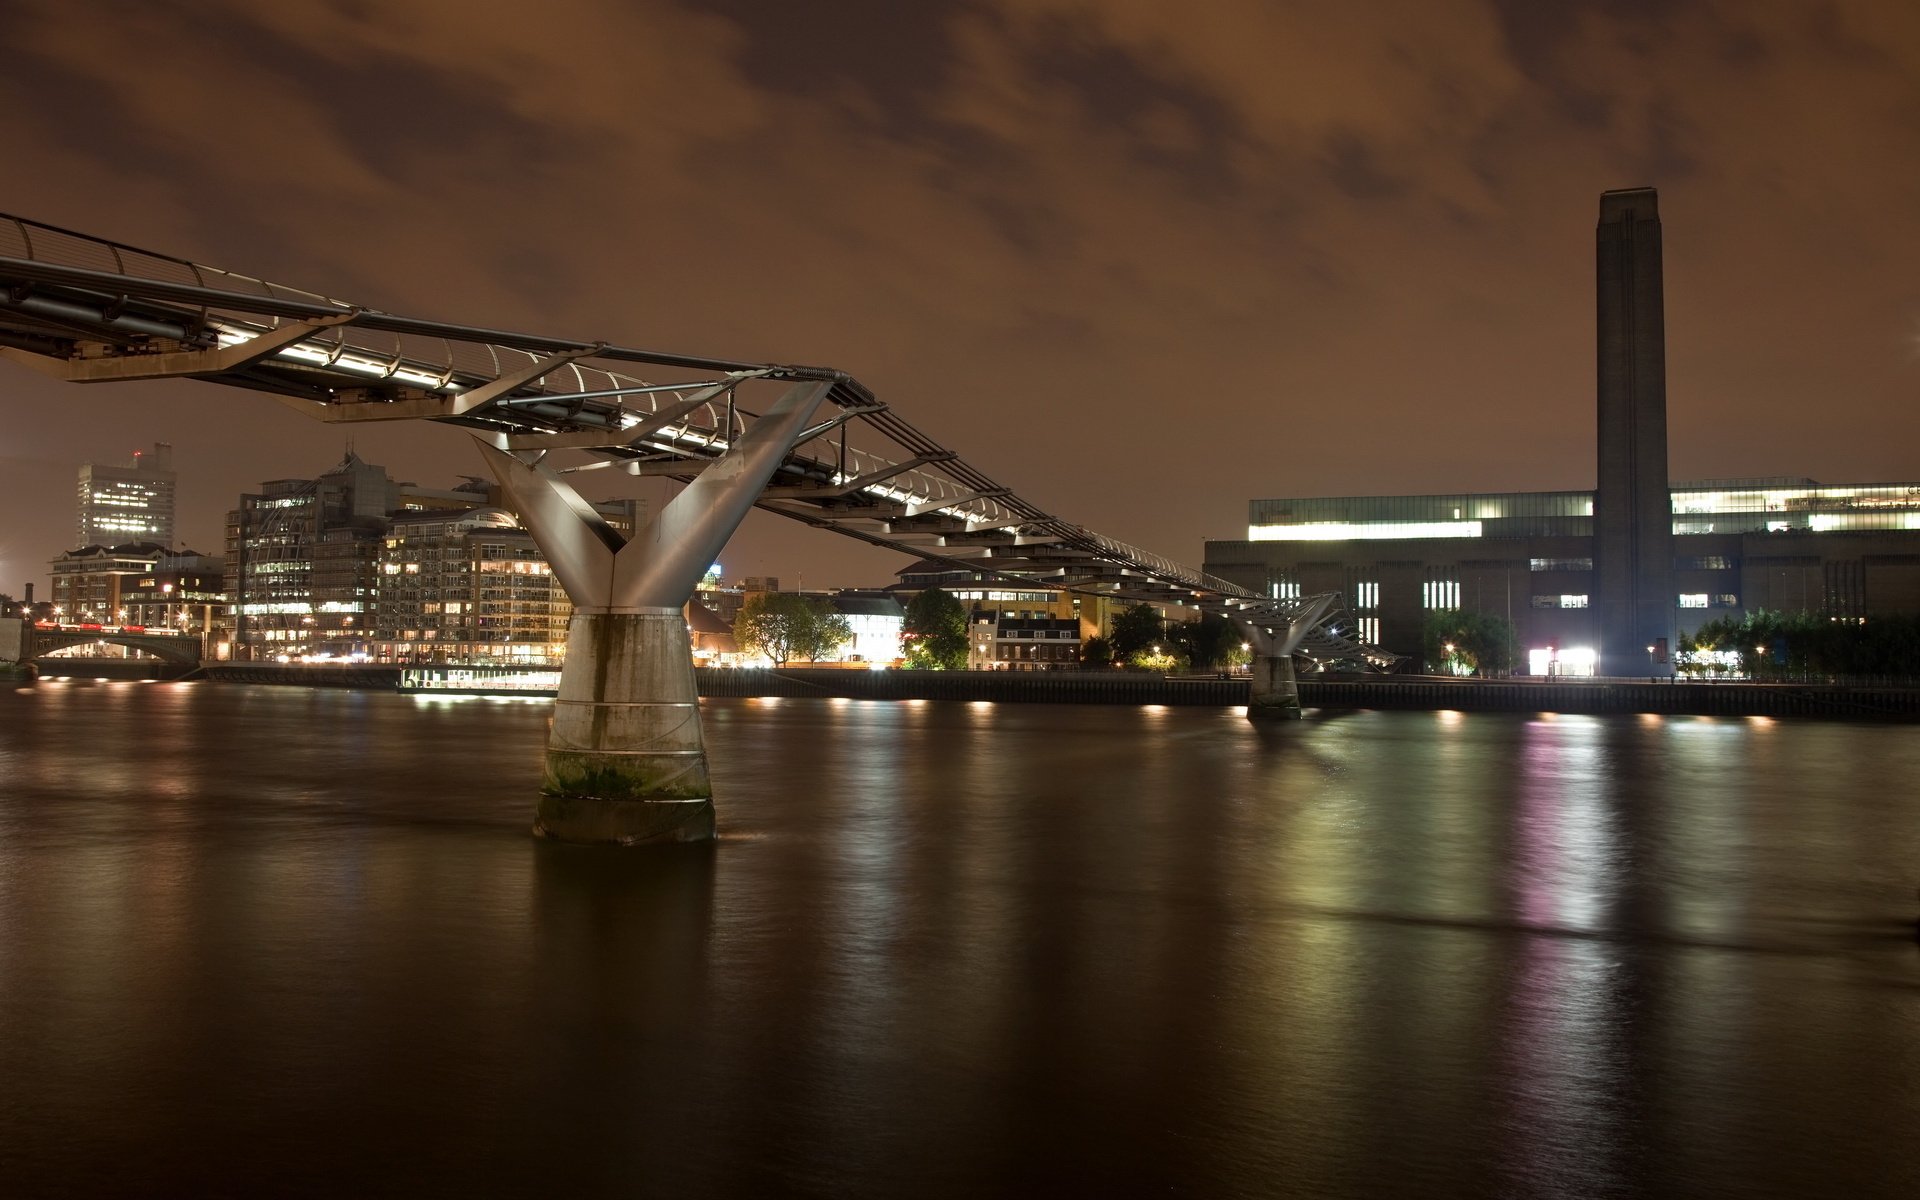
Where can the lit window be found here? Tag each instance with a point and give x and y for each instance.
(1579, 601)
(1693, 600)
(1339, 531)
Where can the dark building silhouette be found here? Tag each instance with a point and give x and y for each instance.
(1632, 510)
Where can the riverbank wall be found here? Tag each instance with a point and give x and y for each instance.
(1133, 687)
(1617, 696)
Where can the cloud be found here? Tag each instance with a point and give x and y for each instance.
(1142, 261)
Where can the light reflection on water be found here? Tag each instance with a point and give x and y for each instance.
(957, 949)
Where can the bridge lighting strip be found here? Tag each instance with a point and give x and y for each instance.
(300, 352)
(356, 361)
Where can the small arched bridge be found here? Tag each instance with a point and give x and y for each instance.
(625, 761)
(42, 640)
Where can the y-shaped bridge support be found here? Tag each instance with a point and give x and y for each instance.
(625, 760)
(1276, 693)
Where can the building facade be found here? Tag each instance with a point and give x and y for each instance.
(876, 620)
(93, 584)
(1001, 643)
(1737, 546)
(141, 585)
(302, 559)
(355, 564)
(1000, 599)
(466, 587)
(182, 594)
(129, 502)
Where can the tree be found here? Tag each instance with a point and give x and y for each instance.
(1135, 630)
(1774, 644)
(1207, 642)
(784, 626)
(1156, 658)
(1460, 642)
(1096, 652)
(935, 632)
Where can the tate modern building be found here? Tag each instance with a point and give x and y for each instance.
(1602, 581)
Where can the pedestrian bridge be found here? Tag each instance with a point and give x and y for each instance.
(625, 760)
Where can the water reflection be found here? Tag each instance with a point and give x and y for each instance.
(952, 949)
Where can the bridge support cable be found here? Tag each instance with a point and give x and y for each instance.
(626, 762)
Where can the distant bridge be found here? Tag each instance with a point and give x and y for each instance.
(826, 451)
(41, 640)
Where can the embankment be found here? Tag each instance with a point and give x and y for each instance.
(1132, 687)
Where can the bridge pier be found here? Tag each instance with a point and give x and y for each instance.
(16, 640)
(1276, 693)
(626, 770)
(1275, 633)
(626, 763)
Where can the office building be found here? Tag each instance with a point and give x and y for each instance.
(355, 564)
(466, 587)
(140, 583)
(128, 502)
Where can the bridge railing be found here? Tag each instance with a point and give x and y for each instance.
(91, 308)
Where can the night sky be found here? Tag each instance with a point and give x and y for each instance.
(1143, 261)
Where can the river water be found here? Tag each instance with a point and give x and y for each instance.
(271, 941)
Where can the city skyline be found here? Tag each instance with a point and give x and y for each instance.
(1085, 247)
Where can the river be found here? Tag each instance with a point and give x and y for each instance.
(279, 942)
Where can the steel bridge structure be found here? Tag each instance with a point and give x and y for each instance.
(809, 443)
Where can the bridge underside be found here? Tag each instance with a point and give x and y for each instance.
(825, 452)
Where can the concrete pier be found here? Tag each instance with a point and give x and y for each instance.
(625, 761)
(626, 764)
(16, 638)
(1276, 693)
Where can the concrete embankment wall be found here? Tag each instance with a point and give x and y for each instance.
(1129, 687)
(110, 668)
(363, 677)
(1118, 687)
(1043, 687)
(1610, 696)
